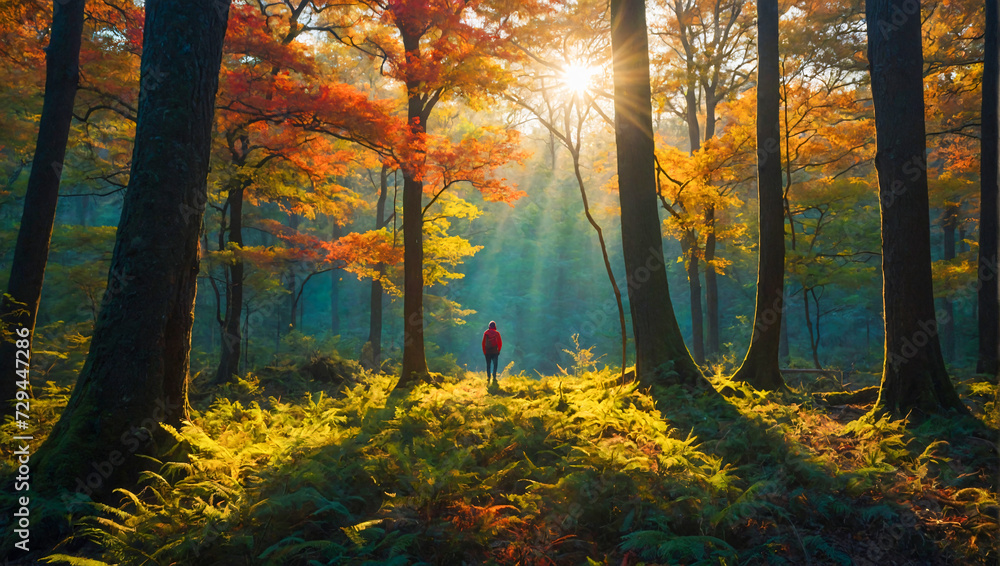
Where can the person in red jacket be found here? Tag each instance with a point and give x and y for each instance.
(491, 349)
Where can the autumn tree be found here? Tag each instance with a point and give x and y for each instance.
(19, 306)
(708, 59)
(435, 50)
(137, 368)
(658, 339)
(290, 127)
(913, 375)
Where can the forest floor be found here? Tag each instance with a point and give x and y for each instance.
(570, 469)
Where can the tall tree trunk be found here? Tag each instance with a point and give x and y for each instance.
(31, 252)
(335, 234)
(694, 286)
(691, 238)
(375, 316)
(813, 335)
(760, 366)
(784, 353)
(713, 343)
(232, 339)
(418, 110)
(293, 282)
(989, 307)
(711, 285)
(414, 358)
(136, 371)
(83, 210)
(658, 338)
(949, 222)
(913, 376)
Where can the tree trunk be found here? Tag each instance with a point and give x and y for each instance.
(691, 237)
(232, 339)
(989, 307)
(949, 222)
(375, 321)
(913, 376)
(293, 282)
(813, 335)
(658, 338)
(760, 366)
(136, 371)
(375, 318)
(62, 70)
(83, 210)
(691, 100)
(335, 234)
(712, 344)
(694, 285)
(418, 110)
(784, 353)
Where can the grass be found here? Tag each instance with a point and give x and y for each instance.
(568, 469)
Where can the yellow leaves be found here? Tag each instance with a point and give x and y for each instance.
(956, 277)
(442, 253)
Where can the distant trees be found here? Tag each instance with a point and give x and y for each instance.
(914, 376)
(19, 307)
(709, 59)
(658, 338)
(137, 368)
(760, 366)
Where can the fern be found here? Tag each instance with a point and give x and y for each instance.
(73, 561)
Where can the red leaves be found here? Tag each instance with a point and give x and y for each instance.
(474, 160)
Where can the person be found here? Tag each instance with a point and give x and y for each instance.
(491, 349)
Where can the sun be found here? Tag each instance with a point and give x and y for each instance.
(578, 78)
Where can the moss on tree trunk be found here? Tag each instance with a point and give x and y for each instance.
(136, 371)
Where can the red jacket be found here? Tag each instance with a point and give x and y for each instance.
(496, 337)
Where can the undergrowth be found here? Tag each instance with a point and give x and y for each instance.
(570, 469)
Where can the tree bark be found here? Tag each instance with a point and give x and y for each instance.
(760, 366)
(949, 223)
(335, 234)
(813, 335)
(712, 343)
(913, 376)
(136, 371)
(232, 339)
(293, 280)
(989, 307)
(783, 349)
(658, 338)
(694, 286)
(375, 313)
(31, 251)
(418, 110)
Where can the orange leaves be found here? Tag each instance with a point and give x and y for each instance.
(474, 160)
(358, 253)
(444, 46)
